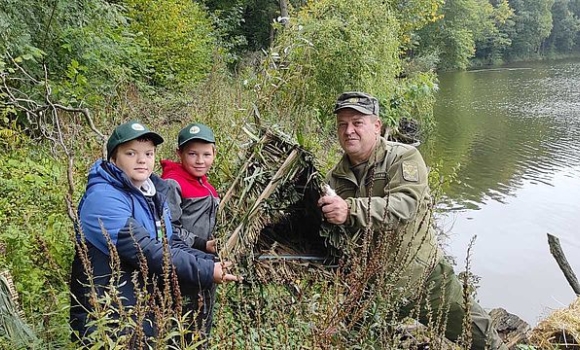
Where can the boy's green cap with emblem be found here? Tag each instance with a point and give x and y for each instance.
(130, 131)
(359, 101)
(195, 131)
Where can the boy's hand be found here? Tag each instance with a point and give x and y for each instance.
(210, 246)
(220, 274)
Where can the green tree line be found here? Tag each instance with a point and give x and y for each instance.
(476, 33)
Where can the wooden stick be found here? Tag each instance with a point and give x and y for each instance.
(558, 254)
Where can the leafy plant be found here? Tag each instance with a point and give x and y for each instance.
(178, 38)
(35, 235)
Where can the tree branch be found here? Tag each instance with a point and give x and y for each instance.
(558, 254)
(47, 117)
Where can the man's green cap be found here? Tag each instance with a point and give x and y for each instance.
(130, 131)
(195, 131)
(359, 101)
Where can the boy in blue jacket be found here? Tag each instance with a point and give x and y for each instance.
(123, 236)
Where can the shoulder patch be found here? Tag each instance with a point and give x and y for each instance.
(410, 171)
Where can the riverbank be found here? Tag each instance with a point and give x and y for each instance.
(475, 65)
(561, 329)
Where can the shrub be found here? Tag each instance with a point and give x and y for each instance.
(35, 236)
(178, 37)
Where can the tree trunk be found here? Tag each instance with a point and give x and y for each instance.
(284, 18)
(284, 12)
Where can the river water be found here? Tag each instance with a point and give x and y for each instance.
(513, 136)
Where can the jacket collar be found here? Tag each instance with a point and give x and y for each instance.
(105, 171)
(173, 169)
(379, 153)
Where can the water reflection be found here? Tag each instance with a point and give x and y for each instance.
(506, 126)
(515, 134)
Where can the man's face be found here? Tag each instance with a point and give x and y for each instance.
(197, 157)
(357, 134)
(136, 158)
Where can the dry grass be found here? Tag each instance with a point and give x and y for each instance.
(560, 330)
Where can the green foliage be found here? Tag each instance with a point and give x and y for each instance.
(566, 28)
(494, 40)
(459, 49)
(15, 19)
(178, 37)
(35, 235)
(329, 47)
(413, 16)
(533, 24)
(84, 45)
(10, 136)
(253, 24)
(466, 33)
(100, 56)
(454, 36)
(246, 25)
(413, 98)
(227, 23)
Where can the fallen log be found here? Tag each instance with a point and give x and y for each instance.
(558, 254)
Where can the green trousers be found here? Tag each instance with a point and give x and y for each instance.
(447, 292)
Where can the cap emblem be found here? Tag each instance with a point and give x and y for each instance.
(137, 127)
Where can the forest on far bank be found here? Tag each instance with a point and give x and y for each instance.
(71, 70)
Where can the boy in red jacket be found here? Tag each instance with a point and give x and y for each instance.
(193, 203)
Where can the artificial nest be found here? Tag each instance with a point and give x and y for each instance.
(561, 329)
(270, 212)
(12, 322)
(8, 295)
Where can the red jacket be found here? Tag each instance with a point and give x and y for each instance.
(193, 202)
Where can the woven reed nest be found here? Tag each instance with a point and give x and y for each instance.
(8, 291)
(13, 326)
(270, 215)
(561, 329)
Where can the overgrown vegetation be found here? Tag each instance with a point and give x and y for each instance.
(72, 70)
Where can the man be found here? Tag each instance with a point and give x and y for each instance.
(383, 186)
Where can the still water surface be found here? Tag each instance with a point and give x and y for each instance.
(515, 132)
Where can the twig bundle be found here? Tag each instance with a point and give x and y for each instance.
(269, 214)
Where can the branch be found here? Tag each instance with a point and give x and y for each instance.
(47, 117)
(558, 254)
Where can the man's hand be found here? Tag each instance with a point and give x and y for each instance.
(210, 246)
(220, 274)
(334, 209)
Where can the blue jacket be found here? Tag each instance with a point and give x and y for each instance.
(113, 213)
